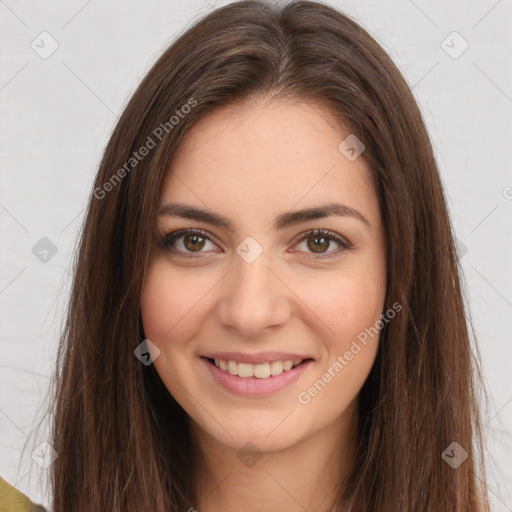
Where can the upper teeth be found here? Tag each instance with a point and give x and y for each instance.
(261, 371)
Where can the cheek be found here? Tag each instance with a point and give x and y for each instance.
(171, 303)
(171, 311)
(346, 306)
(343, 304)
(345, 317)
(158, 307)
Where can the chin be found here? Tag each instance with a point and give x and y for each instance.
(270, 433)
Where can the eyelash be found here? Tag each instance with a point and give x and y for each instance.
(168, 239)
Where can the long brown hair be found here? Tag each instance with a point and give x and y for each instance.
(122, 439)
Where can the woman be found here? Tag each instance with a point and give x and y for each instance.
(266, 310)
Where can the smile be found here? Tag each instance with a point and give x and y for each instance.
(257, 379)
(260, 371)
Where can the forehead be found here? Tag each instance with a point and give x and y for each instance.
(268, 154)
(259, 130)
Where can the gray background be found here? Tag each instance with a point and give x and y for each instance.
(57, 114)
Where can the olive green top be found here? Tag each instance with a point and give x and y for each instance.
(12, 500)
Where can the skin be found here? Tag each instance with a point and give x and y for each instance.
(250, 163)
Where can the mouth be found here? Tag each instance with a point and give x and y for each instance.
(263, 370)
(255, 379)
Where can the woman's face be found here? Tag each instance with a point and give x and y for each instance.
(254, 289)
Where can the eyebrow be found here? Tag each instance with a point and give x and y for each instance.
(282, 221)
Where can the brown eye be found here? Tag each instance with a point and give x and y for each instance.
(186, 242)
(193, 242)
(318, 243)
(322, 243)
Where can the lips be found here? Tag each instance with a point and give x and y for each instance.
(260, 383)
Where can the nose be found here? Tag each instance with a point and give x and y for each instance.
(255, 299)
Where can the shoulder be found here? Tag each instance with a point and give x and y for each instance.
(12, 500)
